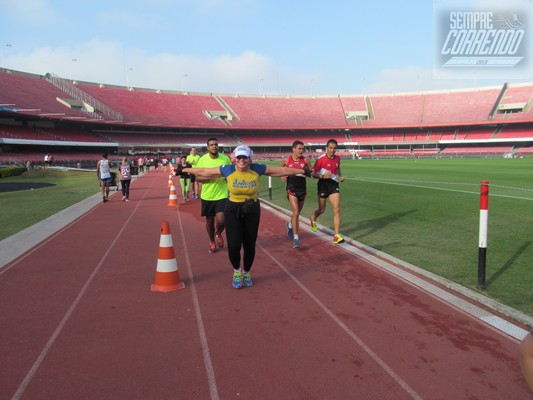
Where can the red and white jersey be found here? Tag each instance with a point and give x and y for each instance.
(296, 183)
(331, 164)
(300, 163)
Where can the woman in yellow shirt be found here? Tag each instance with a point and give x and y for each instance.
(242, 213)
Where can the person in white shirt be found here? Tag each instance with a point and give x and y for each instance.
(103, 172)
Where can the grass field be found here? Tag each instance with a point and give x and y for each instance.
(21, 209)
(423, 211)
(426, 212)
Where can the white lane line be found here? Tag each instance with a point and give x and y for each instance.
(439, 188)
(33, 370)
(388, 263)
(397, 378)
(213, 389)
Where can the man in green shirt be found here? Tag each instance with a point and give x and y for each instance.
(214, 195)
(193, 159)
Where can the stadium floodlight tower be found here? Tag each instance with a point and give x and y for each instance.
(183, 83)
(74, 60)
(128, 78)
(2, 52)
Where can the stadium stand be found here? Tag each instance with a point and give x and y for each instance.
(286, 112)
(33, 95)
(153, 107)
(35, 112)
(477, 150)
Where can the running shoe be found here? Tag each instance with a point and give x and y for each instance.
(338, 239)
(290, 234)
(296, 243)
(220, 241)
(123, 198)
(314, 226)
(247, 279)
(212, 247)
(237, 279)
(104, 199)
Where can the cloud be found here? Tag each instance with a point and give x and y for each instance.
(411, 79)
(248, 72)
(108, 62)
(27, 11)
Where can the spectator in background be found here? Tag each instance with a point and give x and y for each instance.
(47, 160)
(28, 165)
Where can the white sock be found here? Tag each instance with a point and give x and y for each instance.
(290, 225)
(296, 237)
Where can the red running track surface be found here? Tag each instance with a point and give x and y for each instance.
(78, 319)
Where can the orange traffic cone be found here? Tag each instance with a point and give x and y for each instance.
(173, 197)
(167, 278)
(170, 181)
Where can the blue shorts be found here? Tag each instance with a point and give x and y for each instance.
(105, 179)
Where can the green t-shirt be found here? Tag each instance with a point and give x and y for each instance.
(214, 189)
(193, 160)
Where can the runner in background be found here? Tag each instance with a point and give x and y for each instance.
(296, 189)
(193, 159)
(125, 178)
(327, 169)
(103, 172)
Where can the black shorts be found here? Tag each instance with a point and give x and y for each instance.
(299, 195)
(193, 178)
(296, 187)
(211, 208)
(327, 187)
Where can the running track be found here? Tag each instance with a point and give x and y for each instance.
(78, 319)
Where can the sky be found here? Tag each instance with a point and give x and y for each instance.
(256, 47)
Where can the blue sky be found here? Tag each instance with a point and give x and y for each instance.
(232, 46)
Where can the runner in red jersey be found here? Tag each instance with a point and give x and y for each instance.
(328, 171)
(296, 189)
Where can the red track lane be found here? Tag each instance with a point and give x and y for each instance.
(79, 320)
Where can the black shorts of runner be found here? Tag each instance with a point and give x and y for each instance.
(193, 178)
(299, 195)
(211, 208)
(327, 187)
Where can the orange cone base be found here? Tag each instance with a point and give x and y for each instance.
(166, 289)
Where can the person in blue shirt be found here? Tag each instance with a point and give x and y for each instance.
(242, 212)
